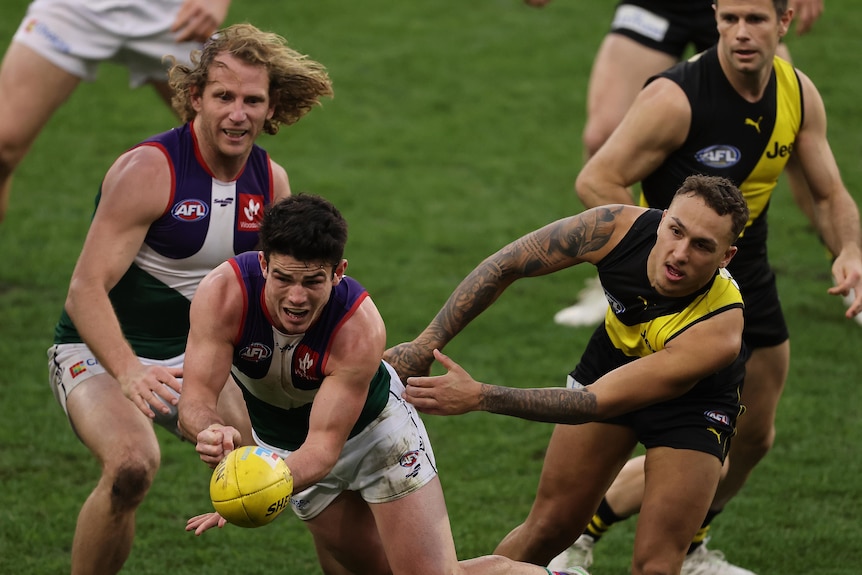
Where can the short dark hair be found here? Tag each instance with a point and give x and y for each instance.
(306, 227)
(721, 195)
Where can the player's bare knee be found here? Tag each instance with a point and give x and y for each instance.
(11, 154)
(654, 566)
(130, 485)
(555, 532)
(754, 445)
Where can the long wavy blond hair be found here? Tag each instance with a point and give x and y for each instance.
(296, 83)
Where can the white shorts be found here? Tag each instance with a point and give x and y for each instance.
(388, 460)
(70, 364)
(77, 35)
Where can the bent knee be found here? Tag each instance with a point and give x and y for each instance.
(12, 152)
(754, 444)
(554, 532)
(655, 566)
(130, 484)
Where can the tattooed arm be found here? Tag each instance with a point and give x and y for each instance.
(457, 392)
(700, 351)
(585, 237)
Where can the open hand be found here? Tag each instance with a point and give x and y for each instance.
(201, 523)
(451, 394)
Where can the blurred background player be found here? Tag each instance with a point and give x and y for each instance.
(647, 37)
(169, 210)
(741, 112)
(62, 42)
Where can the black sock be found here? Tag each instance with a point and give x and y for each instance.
(602, 521)
(700, 536)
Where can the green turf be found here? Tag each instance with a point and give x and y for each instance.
(455, 128)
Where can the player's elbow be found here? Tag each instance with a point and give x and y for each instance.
(587, 186)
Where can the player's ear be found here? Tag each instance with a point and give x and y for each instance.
(728, 255)
(339, 272)
(784, 22)
(195, 97)
(261, 259)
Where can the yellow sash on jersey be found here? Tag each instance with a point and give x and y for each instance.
(642, 339)
(759, 185)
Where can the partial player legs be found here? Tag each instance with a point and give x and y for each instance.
(122, 439)
(580, 463)
(619, 71)
(765, 374)
(680, 484)
(31, 90)
(362, 551)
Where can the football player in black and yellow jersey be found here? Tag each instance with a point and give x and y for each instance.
(664, 368)
(736, 111)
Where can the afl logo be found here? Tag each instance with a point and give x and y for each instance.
(718, 156)
(409, 459)
(255, 352)
(190, 210)
(717, 417)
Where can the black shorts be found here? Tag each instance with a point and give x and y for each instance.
(703, 419)
(668, 26)
(685, 423)
(765, 325)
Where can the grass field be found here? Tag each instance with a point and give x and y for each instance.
(454, 129)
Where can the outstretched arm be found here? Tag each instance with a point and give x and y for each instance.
(585, 237)
(702, 350)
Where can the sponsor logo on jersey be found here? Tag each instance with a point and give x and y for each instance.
(223, 201)
(616, 305)
(303, 362)
(779, 150)
(250, 213)
(255, 352)
(645, 339)
(718, 156)
(77, 369)
(189, 210)
(717, 417)
(755, 124)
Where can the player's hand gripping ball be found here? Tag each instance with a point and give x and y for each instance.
(251, 486)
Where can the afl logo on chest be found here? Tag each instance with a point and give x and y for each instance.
(255, 352)
(718, 156)
(190, 210)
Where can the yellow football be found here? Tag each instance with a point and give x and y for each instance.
(251, 486)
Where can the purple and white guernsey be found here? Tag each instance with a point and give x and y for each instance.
(279, 373)
(205, 222)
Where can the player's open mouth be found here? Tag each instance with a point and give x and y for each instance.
(295, 314)
(674, 273)
(235, 133)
